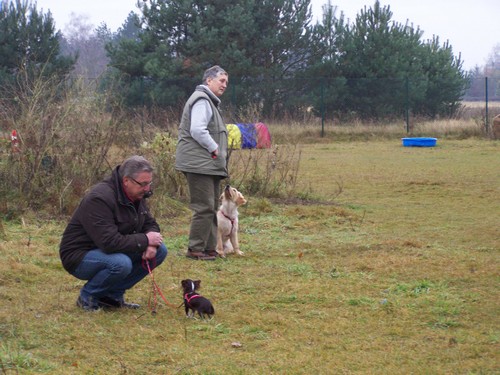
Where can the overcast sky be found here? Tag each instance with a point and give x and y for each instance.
(471, 27)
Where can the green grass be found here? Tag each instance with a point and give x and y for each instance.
(397, 274)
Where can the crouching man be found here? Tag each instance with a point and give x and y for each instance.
(110, 236)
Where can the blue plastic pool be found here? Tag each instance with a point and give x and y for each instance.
(419, 142)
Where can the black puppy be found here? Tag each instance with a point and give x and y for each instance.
(194, 301)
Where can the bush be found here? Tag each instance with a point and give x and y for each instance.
(70, 137)
(65, 139)
(269, 172)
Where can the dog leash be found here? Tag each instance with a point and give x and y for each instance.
(155, 289)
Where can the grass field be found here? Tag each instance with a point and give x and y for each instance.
(392, 268)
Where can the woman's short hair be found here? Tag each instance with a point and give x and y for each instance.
(213, 72)
(134, 165)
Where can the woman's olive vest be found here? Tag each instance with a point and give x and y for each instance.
(190, 155)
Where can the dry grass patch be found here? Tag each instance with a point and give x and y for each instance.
(357, 130)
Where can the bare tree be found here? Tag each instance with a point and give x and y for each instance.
(492, 68)
(82, 39)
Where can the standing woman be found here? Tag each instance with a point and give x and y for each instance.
(201, 155)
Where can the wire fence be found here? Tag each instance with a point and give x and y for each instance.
(485, 93)
(483, 89)
(338, 100)
(335, 101)
(332, 99)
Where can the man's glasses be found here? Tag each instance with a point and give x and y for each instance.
(141, 184)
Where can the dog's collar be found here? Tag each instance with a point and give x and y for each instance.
(188, 299)
(228, 217)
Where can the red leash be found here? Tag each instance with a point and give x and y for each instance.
(155, 289)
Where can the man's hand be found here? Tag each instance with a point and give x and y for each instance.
(154, 239)
(149, 253)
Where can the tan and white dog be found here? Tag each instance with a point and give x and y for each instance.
(227, 222)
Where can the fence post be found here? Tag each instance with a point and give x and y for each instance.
(142, 103)
(486, 124)
(407, 105)
(233, 94)
(322, 108)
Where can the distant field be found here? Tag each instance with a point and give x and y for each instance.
(482, 104)
(477, 110)
(390, 266)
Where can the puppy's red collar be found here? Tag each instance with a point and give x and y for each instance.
(230, 219)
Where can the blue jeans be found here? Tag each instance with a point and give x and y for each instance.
(110, 275)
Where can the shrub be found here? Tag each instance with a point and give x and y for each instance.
(268, 173)
(65, 138)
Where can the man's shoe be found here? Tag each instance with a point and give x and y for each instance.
(198, 255)
(86, 305)
(212, 253)
(130, 305)
(108, 302)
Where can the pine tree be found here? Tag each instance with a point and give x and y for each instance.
(29, 43)
(259, 42)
